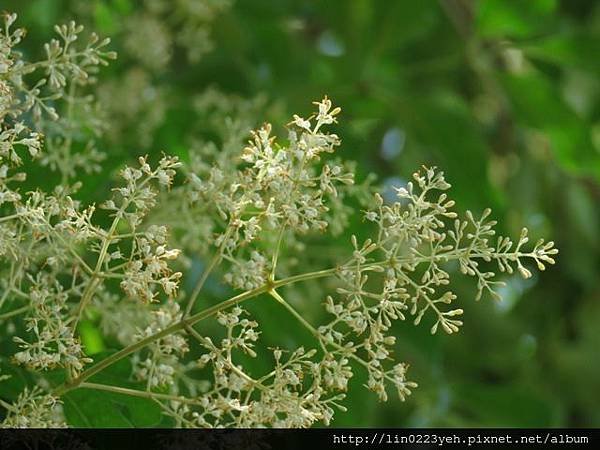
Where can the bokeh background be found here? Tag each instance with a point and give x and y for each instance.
(503, 95)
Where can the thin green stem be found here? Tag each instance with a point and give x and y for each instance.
(66, 149)
(208, 312)
(108, 239)
(91, 288)
(14, 312)
(317, 335)
(7, 218)
(305, 276)
(273, 293)
(76, 255)
(202, 340)
(276, 252)
(200, 284)
(85, 298)
(7, 406)
(178, 326)
(138, 393)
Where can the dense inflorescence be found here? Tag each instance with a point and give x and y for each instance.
(242, 212)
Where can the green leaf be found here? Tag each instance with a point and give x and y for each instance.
(91, 337)
(518, 19)
(104, 20)
(503, 406)
(537, 104)
(122, 6)
(567, 50)
(12, 380)
(92, 408)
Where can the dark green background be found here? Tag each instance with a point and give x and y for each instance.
(500, 94)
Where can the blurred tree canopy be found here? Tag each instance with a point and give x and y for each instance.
(503, 95)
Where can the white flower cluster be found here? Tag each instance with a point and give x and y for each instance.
(151, 267)
(49, 239)
(166, 24)
(136, 102)
(35, 409)
(392, 275)
(120, 320)
(188, 209)
(282, 398)
(146, 265)
(18, 135)
(54, 344)
(163, 355)
(279, 190)
(249, 274)
(416, 240)
(244, 214)
(37, 87)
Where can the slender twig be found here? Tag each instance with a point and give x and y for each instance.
(108, 239)
(315, 332)
(208, 312)
(14, 312)
(11, 217)
(200, 284)
(211, 265)
(69, 137)
(273, 293)
(178, 326)
(276, 252)
(138, 393)
(7, 406)
(202, 340)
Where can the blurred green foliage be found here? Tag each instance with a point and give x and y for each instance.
(503, 95)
